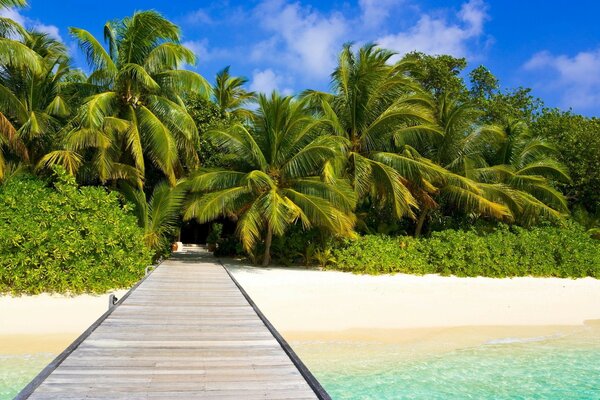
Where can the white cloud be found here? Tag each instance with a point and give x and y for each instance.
(266, 81)
(12, 14)
(576, 79)
(307, 41)
(289, 38)
(375, 12)
(50, 30)
(199, 16)
(436, 35)
(302, 38)
(15, 15)
(473, 14)
(204, 52)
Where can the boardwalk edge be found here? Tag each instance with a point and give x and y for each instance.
(314, 384)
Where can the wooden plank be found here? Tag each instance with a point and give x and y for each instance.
(188, 331)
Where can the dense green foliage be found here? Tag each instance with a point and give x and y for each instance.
(66, 239)
(578, 141)
(134, 116)
(506, 251)
(406, 148)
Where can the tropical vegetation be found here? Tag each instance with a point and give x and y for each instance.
(276, 180)
(503, 251)
(407, 149)
(56, 237)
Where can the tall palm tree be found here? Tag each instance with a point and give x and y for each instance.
(135, 111)
(278, 179)
(527, 165)
(34, 101)
(374, 101)
(13, 54)
(230, 96)
(457, 145)
(497, 171)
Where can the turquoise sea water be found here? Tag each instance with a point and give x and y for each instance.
(16, 370)
(550, 367)
(558, 368)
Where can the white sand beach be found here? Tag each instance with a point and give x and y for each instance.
(47, 322)
(308, 304)
(301, 300)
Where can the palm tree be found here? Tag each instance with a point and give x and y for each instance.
(230, 96)
(13, 54)
(501, 172)
(158, 216)
(373, 102)
(278, 177)
(457, 145)
(527, 165)
(34, 101)
(135, 110)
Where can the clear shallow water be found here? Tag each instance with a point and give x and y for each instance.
(555, 367)
(17, 370)
(548, 367)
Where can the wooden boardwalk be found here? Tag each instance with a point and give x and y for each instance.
(187, 331)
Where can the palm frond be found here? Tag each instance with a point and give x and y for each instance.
(206, 207)
(17, 55)
(68, 159)
(159, 142)
(183, 81)
(238, 140)
(138, 76)
(96, 54)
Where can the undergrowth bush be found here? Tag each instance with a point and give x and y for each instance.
(507, 251)
(66, 239)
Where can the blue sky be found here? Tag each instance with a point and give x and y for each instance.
(550, 46)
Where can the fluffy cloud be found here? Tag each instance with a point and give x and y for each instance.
(576, 79)
(303, 38)
(292, 39)
(15, 15)
(307, 41)
(12, 14)
(199, 16)
(436, 35)
(266, 81)
(204, 52)
(50, 30)
(375, 12)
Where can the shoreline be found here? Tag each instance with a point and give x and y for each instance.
(51, 313)
(310, 305)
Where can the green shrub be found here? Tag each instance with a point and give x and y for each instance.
(66, 239)
(229, 246)
(215, 233)
(507, 251)
(296, 246)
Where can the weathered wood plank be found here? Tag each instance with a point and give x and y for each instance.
(186, 332)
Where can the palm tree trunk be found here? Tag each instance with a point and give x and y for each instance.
(267, 256)
(421, 221)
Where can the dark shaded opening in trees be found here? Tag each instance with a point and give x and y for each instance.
(193, 232)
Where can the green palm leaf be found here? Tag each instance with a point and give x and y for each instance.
(96, 55)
